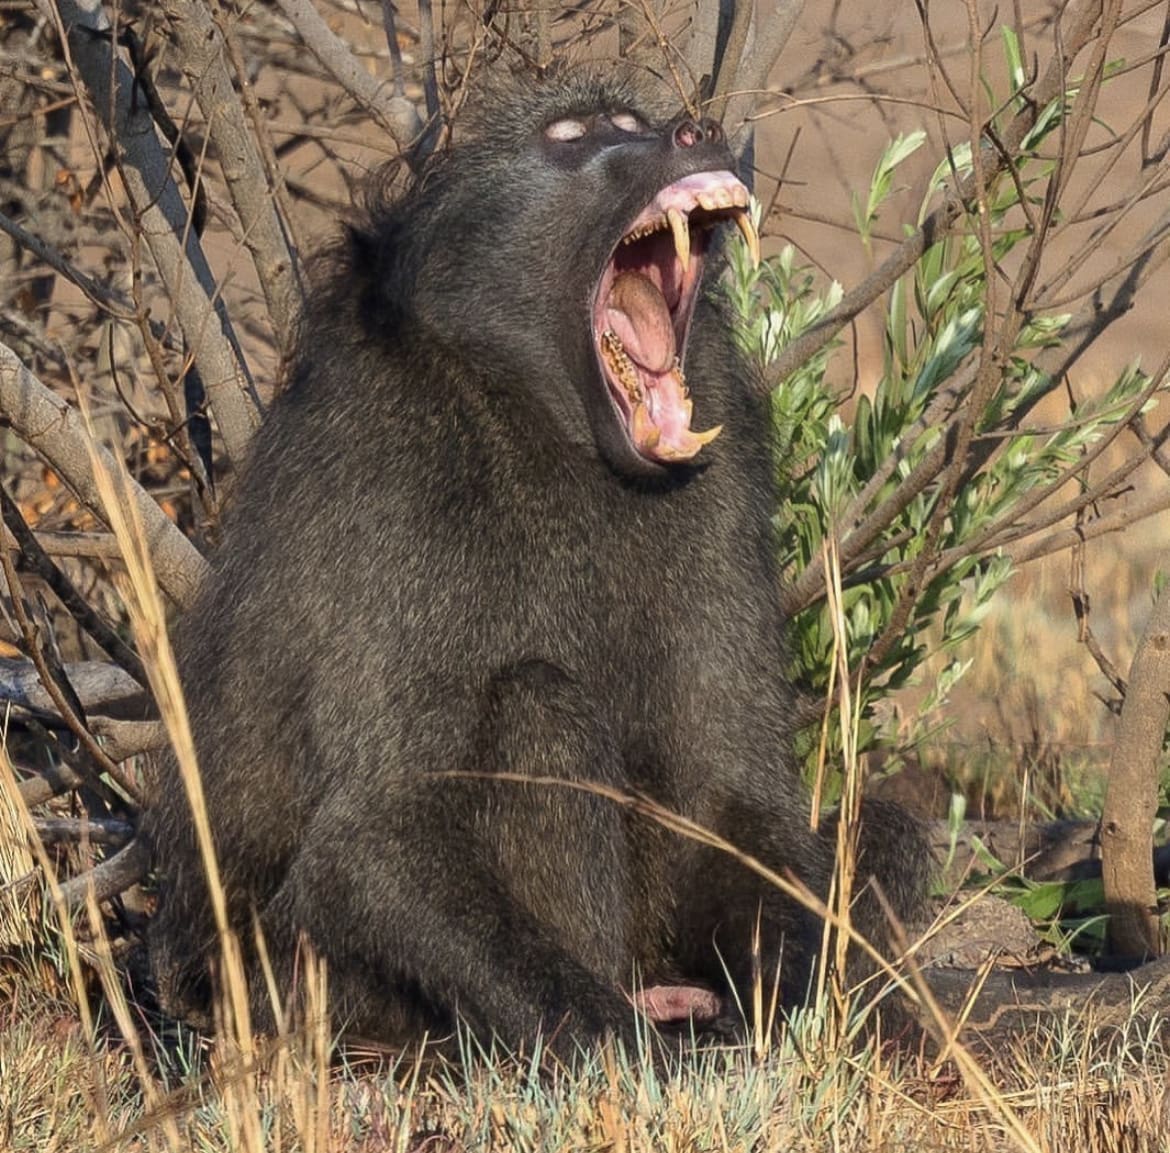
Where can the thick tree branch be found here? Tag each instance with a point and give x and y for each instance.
(202, 54)
(774, 26)
(54, 429)
(1131, 798)
(395, 113)
(126, 867)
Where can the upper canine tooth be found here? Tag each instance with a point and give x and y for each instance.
(743, 221)
(682, 236)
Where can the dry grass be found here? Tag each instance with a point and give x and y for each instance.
(1027, 729)
(63, 1088)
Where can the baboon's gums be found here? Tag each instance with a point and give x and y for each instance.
(483, 531)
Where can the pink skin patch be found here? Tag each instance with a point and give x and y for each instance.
(643, 307)
(667, 1003)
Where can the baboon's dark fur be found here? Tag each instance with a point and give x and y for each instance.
(446, 556)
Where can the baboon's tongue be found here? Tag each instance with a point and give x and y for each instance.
(638, 315)
(637, 344)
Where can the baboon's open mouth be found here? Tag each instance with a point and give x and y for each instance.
(643, 306)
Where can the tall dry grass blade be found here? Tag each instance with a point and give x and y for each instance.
(841, 897)
(144, 605)
(848, 718)
(102, 959)
(19, 892)
(10, 796)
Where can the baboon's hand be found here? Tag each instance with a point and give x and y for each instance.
(669, 1003)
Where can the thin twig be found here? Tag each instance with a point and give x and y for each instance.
(74, 603)
(55, 682)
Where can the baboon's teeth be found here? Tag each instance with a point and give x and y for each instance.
(638, 233)
(715, 198)
(622, 366)
(646, 434)
(691, 443)
(682, 236)
(743, 221)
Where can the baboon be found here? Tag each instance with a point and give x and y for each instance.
(511, 516)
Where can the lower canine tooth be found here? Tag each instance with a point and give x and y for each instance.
(646, 433)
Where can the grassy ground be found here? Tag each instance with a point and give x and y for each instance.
(84, 1066)
(69, 1084)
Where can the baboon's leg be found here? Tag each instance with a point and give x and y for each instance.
(501, 901)
(724, 902)
(732, 925)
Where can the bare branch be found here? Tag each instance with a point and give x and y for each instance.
(202, 55)
(1146, 506)
(699, 53)
(752, 73)
(79, 544)
(395, 113)
(38, 561)
(125, 868)
(99, 686)
(77, 830)
(159, 206)
(397, 66)
(50, 782)
(47, 663)
(727, 67)
(430, 80)
(54, 429)
(123, 739)
(98, 293)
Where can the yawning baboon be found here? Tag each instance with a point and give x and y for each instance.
(512, 515)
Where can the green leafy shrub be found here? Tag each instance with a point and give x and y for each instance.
(922, 544)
